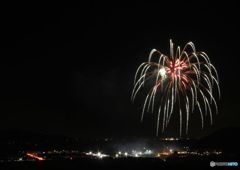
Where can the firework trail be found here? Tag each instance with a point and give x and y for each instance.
(179, 83)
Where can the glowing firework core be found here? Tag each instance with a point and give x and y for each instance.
(174, 70)
(189, 78)
(162, 72)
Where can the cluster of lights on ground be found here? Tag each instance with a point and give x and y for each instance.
(119, 154)
(147, 153)
(152, 154)
(131, 152)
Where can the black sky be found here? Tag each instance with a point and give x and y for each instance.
(70, 70)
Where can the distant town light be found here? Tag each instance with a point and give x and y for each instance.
(99, 154)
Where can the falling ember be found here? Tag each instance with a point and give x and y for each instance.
(184, 80)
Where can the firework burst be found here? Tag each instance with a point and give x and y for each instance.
(179, 83)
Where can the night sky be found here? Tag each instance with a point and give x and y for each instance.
(70, 71)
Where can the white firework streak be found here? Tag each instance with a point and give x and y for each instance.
(179, 83)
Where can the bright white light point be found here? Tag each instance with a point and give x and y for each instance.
(126, 154)
(119, 152)
(99, 154)
(162, 72)
(136, 155)
(171, 150)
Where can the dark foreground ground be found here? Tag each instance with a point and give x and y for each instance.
(109, 163)
(15, 145)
